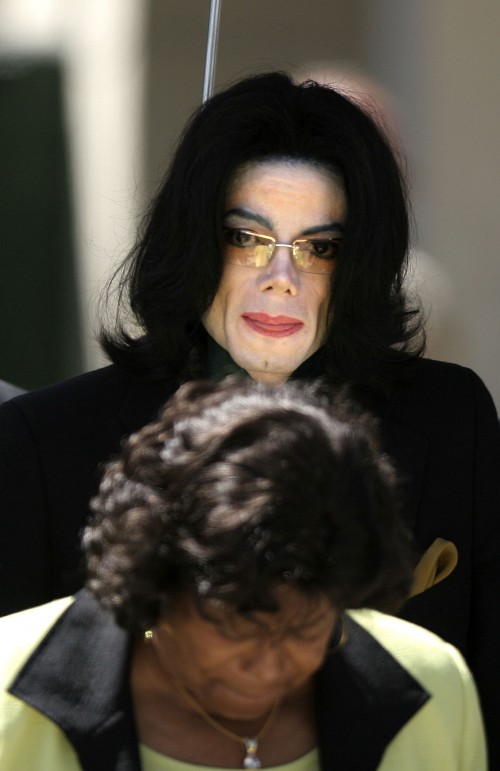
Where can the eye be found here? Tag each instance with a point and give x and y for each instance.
(324, 248)
(241, 238)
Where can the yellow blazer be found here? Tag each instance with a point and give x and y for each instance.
(395, 698)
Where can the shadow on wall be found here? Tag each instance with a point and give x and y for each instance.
(39, 314)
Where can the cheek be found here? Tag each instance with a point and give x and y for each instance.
(322, 306)
(215, 319)
(308, 657)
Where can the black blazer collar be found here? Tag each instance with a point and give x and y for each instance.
(78, 677)
(363, 697)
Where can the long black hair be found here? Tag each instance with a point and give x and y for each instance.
(171, 276)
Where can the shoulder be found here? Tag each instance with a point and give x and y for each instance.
(429, 659)
(80, 389)
(22, 632)
(8, 391)
(454, 379)
(437, 393)
(80, 398)
(92, 399)
(49, 415)
(28, 740)
(447, 731)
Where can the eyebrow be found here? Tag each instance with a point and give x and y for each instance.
(247, 214)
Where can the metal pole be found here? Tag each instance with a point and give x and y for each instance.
(213, 33)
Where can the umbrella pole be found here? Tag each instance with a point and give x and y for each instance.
(213, 33)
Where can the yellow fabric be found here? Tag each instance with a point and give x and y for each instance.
(444, 735)
(153, 761)
(28, 740)
(436, 563)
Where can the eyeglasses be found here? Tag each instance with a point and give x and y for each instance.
(252, 250)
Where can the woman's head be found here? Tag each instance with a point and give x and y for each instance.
(239, 489)
(175, 272)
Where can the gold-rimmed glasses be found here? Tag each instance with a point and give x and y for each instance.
(254, 250)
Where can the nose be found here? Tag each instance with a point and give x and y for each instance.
(280, 275)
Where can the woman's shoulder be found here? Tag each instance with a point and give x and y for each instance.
(447, 731)
(424, 654)
(21, 633)
(28, 740)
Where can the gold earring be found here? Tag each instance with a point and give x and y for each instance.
(148, 635)
(342, 639)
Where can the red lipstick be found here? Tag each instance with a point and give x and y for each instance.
(272, 326)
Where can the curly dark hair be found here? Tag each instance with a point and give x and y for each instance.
(242, 486)
(170, 278)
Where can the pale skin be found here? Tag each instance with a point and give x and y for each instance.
(287, 200)
(237, 669)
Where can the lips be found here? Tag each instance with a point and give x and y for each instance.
(272, 326)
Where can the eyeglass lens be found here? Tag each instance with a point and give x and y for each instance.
(243, 247)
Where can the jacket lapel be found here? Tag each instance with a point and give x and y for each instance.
(78, 677)
(364, 697)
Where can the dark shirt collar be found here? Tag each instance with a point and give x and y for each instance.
(79, 677)
(220, 364)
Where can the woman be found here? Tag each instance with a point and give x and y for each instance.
(270, 161)
(230, 537)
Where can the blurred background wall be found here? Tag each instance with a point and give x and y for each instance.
(132, 71)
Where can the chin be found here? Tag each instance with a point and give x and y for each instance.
(263, 368)
(232, 705)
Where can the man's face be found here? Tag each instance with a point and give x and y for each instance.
(272, 318)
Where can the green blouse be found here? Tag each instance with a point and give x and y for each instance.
(154, 761)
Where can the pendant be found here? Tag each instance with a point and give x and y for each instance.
(251, 760)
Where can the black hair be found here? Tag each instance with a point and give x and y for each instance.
(171, 277)
(238, 488)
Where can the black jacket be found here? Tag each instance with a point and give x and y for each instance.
(440, 429)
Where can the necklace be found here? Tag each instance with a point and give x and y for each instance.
(251, 745)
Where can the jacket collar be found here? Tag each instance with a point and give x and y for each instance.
(143, 399)
(78, 677)
(364, 697)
